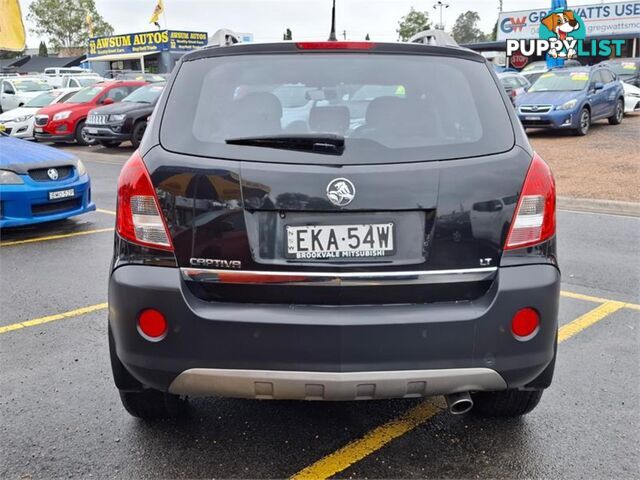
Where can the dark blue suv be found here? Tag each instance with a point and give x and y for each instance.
(571, 99)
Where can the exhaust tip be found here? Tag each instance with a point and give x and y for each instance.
(459, 403)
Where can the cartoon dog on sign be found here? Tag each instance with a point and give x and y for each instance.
(562, 24)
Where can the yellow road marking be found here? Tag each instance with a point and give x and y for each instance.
(377, 438)
(53, 318)
(374, 440)
(102, 210)
(589, 298)
(55, 237)
(576, 326)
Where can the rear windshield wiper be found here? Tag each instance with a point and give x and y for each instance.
(327, 143)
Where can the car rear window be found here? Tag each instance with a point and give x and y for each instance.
(389, 108)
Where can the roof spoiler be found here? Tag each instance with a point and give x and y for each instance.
(438, 38)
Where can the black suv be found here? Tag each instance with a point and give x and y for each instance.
(334, 221)
(127, 120)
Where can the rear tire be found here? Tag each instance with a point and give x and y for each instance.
(81, 136)
(584, 123)
(616, 118)
(507, 403)
(145, 403)
(152, 404)
(138, 133)
(110, 143)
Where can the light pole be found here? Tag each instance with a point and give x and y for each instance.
(440, 5)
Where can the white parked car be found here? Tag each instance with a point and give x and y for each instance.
(17, 91)
(20, 121)
(55, 75)
(80, 81)
(631, 98)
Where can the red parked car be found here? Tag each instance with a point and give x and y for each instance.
(64, 122)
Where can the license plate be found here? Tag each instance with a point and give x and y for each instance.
(340, 241)
(39, 130)
(61, 194)
(92, 130)
(532, 118)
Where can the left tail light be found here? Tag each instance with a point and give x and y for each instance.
(139, 218)
(535, 218)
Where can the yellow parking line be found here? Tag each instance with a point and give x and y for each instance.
(589, 298)
(102, 210)
(584, 321)
(377, 438)
(55, 237)
(374, 440)
(53, 318)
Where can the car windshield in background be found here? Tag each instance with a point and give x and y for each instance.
(31, 85)
(561, 82)
(388, 108)
(535, 67)
(44, 99)
(624, 69)
(148, 94)
(85, 95)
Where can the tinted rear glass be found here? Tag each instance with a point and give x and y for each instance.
(389, 108)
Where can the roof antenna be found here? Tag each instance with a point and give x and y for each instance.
(332, 35)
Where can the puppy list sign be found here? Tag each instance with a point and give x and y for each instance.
(562, 33)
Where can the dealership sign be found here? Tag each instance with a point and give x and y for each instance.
(600, 20)
(158, 40)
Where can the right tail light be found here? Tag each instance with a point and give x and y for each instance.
(138, 217)
(534, 220)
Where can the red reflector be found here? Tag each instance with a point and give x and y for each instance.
(525, 323)
(335, 45)
(152, 325)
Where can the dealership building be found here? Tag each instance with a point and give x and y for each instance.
(153, 52)
(619, 20)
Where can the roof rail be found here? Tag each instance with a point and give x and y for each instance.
(438, 38)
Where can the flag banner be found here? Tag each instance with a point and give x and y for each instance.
(12, 34)
(157, 11)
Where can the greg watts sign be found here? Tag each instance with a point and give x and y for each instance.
(159, 40)
(600, 20)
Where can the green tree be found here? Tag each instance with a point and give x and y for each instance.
(367, 38)
(287, 35)
(64, 23)
(466, 28)
(42, 50)
(412, 23)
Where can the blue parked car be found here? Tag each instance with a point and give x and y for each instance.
(40, 184)
(571, 99)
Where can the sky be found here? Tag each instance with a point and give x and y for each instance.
(308, 19)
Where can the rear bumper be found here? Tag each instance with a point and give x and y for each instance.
(287, 385)
(333, 353)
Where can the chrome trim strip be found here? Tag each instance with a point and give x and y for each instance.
(338, 278)
(303, 385)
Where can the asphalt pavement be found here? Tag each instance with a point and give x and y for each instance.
(60, 415)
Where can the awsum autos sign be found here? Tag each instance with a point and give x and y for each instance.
(600, 20)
